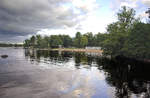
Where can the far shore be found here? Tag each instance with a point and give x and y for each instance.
(75, 50)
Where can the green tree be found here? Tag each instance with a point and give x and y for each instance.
(90, 38)
(55, 41)
(38, 41)
(84, 41)
(47, 41)
(138, 43)
(43, 43)
(33, 41)
(66, 39)
(26, 43)
(99, 39)
(77, 40)
(118, 32)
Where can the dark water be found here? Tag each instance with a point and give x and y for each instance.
(54, 74)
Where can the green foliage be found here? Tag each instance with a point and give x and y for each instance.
(99, 39)
(67, 40)
(55, 41)
(77, 40)
(84, 41)
(125, 18)
(43, 44)
(138, 43)
(26, 43)
(33, 41)
(47, 41)
(80, 40)
(118, 32)
(10, 45)
(127, 37)
(90, 38)
(38, 42)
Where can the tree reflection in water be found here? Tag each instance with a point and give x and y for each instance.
(129, 77)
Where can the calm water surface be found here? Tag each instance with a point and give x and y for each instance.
(54, 74)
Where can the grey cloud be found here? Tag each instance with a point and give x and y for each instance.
(12, 38)
(23, 17)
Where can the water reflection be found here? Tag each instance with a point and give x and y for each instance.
(60, 57)
(130, 78)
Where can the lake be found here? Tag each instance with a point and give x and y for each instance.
(56, 74)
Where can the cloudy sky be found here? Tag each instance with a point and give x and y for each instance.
(19, 19)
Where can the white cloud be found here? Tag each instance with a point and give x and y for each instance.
(129, 4)
(67, 31)
(92, 23)
(85, 5)
(96, 24)
(146, 2)
(116, 4)
(85, 9)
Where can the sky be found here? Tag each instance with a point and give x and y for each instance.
(20, 19)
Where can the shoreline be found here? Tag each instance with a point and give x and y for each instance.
(75, 50)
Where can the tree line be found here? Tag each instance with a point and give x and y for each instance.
(54, 41)
(128, 36)
(10, 45)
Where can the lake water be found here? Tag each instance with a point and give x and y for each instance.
(55, 74)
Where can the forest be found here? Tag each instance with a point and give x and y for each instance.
(128, 36)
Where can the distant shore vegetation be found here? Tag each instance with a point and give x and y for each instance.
(10, 45)
(128, 36)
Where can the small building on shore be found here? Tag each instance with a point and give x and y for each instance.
(97, 48)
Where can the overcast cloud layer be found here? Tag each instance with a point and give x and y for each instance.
(23, 17)
(20, 18)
